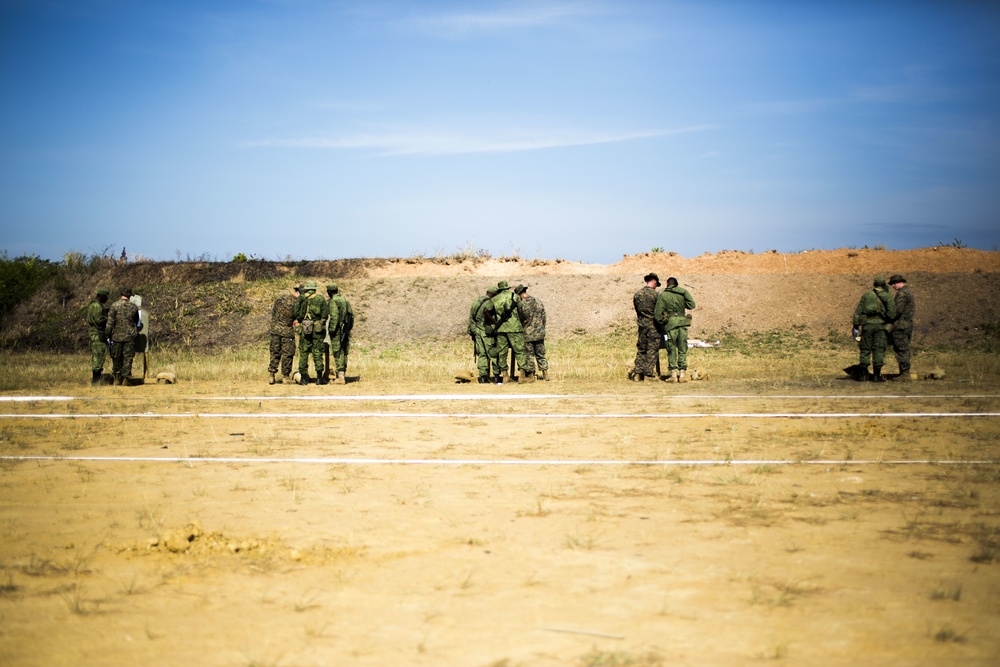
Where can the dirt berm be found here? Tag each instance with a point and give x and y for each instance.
(221, 305)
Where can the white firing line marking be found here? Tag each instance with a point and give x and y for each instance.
(474, 415)
(496, 462)
(508, 397)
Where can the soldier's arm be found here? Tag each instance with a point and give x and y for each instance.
(688, 300)
(110, 326)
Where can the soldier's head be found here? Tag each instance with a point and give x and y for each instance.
(651, 278)
(126, 292)
(879, 281)
(103, 294)
(521, 290)
(671, 282)
(502, 285)
(310, 286)
(332, 289)
(897, 281)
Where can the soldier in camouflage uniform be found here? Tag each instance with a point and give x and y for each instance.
(97, 320)
(532, 314)
(510, 334)
(341, 323)
(902, 326)
(122, 327)
(672, 321)
(484, 344)
(874, 310)
(648, 343)
(282, 336)
(311, 311)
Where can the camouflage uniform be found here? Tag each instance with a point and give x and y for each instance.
(123, 316)
(282, 335)
(341, 323)
(647, 344)
(672, 321)
(874, 310)
(484, 346)
(532, 314)
(311, 311)
(510, 334)
(97, 321)
(902, 326)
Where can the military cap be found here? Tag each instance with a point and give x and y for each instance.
(896, 278)
(332, 287)
(125, 291)
(502, 285)
(651, 276)
(310, 285)
(520, 289)
(879, 281)
(103, 291)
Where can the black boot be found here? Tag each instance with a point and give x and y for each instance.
(877, 375)
(304, 379)
(322, 379)
(497, 379)
(95, 377)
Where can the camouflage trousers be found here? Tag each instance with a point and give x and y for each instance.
(535, 352)
(510, 341)
(122, 353)
(340, 345)
(311, 345)
(677, 349)
(98, 352)
(282, 353)
(485, 350)
(873, 345)
(647, 349)
(900, 339)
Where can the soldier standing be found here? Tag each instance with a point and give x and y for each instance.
(673, 322)
(282, 336)
(122, 327)
(311, 311)
(482, 344)
(874, 310)
(510, 334)
(532, 314)
(341, 323)
(97, 321)
(647, 344)
(902, 326)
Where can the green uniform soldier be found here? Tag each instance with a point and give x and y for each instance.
(647, 344)
(281, 333)
(672, 322)
(121, 328)
(484, 345)
(875, 309)
(97, 321)
(311, 311)
(532, 314)
(902, 326)
(340, 325)
(510, 334)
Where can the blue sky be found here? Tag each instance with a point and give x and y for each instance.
(573, 130)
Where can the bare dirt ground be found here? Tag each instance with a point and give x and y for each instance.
(549, 524)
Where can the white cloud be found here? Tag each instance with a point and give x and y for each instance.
(450, 143)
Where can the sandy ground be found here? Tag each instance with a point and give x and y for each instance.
(573, 525)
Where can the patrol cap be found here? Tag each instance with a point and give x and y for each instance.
(896, 278)
(651, 276)
(310, 285)
(331, 287)
(520, 289)
(103, 291)
(879, 281)
(125, 291)
(502, 285)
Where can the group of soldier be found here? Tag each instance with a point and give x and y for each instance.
(506, 320)
(323, 325)
(881, 319)
(113, 330)
(663, 322)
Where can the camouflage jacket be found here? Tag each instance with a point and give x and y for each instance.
(874, 308)
(282, 316)
(508, 321)
(905, 309)
(532, 314)
(123, 316)
(97, 319)
(312, 306)
(477, 317)
(670, 306)
(644, 302)
(341, 314)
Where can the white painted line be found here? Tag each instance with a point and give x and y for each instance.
(481, 415)
(39, 398)
(508, 397)
(496, 462)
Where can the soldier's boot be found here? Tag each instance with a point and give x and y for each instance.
(498, 379)
(117, 380)
(681, 377)
(877, 375)
(303, 379)
(322, 378)
(95, 377)
(527, 376)
(482, 379)
(270, 378)
(635, 376)
(341, 378)
(545, 374)
(282, 379)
